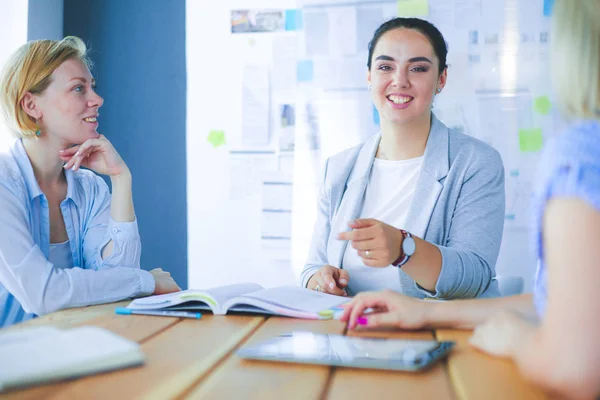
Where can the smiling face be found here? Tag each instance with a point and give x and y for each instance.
(68, 108)
(404, 76)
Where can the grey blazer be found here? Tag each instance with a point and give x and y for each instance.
(458, 205)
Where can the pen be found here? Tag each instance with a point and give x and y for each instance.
(180, 314)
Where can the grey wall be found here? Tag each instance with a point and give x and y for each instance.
(45, 19)
(138, 48)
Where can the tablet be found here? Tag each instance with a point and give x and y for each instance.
(347, 351)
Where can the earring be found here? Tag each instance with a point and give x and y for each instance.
(369, 88)
(439, 90)
(38, 132)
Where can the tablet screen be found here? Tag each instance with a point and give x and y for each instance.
(338, 350)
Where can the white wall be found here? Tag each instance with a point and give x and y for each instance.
(223, 231)
(13, 31)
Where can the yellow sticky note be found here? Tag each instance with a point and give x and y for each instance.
(413, 8)
(530, 139)
(216, 138)
(542, 105)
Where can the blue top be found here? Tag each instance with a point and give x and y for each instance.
(569, 167)
(30, 284)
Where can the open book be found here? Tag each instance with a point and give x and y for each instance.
(32, 356)
(291, 301)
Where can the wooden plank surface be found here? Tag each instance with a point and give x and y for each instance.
(176, 358)
(70, 317)
(137, 328)
(355, 383)
(237, 378)
(477, 376)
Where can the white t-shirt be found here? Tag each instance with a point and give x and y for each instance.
(388, 198)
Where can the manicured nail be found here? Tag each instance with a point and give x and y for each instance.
(362, 321)
(61, 151)
(343, 281)
(77, 154)
(331, 285)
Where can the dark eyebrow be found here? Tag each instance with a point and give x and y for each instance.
(385, 58)
(416, 59)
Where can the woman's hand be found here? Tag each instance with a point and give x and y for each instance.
(501, 335)
(390, 309)
(99, 155)
(163, 283)
(330, 280)
(377, 243)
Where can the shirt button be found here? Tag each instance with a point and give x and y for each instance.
(115, 230)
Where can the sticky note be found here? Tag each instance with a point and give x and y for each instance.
(216, 138)
(548, 4)
(376, 116)
(542, 105)
(304, 71)
(530, 139)
(293, 20)
(413, 8)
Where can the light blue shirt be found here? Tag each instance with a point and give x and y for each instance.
(30, 284)
(569, 167)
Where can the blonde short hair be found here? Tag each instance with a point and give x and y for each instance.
(575, 56)
(29, 69)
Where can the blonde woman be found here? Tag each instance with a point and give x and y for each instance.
(561, 351)
(65, 241)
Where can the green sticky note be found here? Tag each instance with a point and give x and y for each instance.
(530, 139)
(413, 8)
(542, 105)
(216, 138)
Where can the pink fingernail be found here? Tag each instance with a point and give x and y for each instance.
(362, 321)
(343, 281)
(331, 285)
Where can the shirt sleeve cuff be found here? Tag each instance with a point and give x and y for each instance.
(123, 230)
(147, 284)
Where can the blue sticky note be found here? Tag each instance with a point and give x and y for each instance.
(548, 4)
(293, 20)
(375, 116)
(304, 71)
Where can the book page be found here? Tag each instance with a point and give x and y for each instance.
(297, 298)
(213, 297)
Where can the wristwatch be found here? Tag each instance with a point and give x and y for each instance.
(408, 249)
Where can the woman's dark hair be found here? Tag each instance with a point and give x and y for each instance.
(440, 47)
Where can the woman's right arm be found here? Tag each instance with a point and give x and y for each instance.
(38, 286)
(395, 310)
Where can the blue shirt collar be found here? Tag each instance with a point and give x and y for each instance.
(33, 188)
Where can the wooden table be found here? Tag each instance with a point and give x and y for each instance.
(194, 359)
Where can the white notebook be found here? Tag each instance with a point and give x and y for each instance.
(45, 354)
(291, 301)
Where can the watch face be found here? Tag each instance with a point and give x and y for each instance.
(409, 246)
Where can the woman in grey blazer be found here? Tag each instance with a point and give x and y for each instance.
(418, 208)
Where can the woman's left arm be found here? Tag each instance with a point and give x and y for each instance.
(562, 354)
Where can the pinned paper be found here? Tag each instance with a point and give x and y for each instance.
(413, 8)
(293, 20)
(305, 71)
(216, 138)
(530, 140)
(542, 105)
(548, 4)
